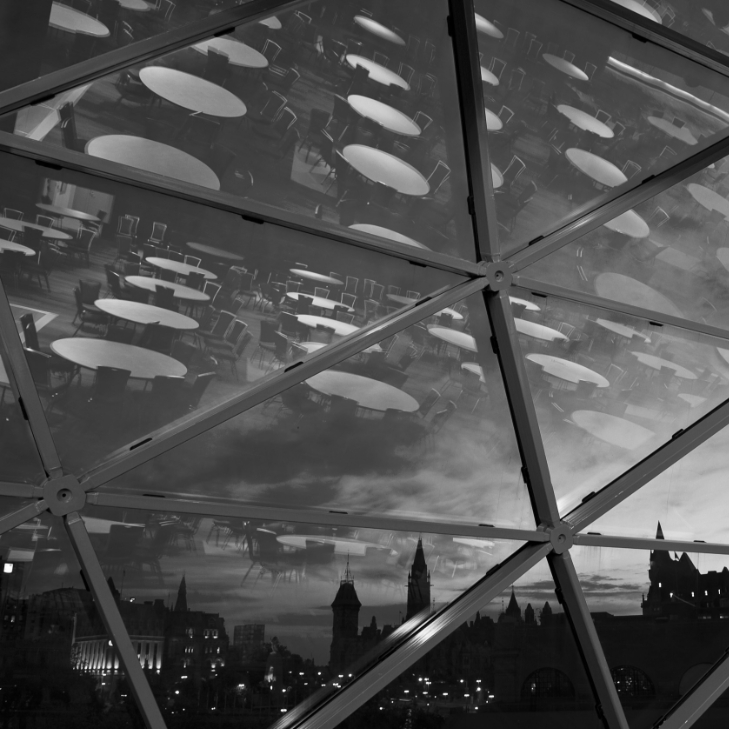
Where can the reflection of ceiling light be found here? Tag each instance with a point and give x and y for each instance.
(7, 568)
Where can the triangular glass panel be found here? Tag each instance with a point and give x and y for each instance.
(609, 389)
(59, 665)
(415, 426)
(658, 618)
(513, 664)
(86, 300)
(270, 611)
(669, 254)
(580, 111)
(58, 35)
(350, 118)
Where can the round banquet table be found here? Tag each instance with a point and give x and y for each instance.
(657, 363)
(617, 287)
(342, 545)
(454, 337)
(138, 5)
(386, 169)
(488, 77)
(9, 245)
(67, 212)
(192, 92)
(486, 26)
(708, 198)
(20, 225)
(493, 122)
(682, 133)
(378, 29)
(387, 233)
(528, 305)
(208, 250)
(406, 300)
(621, 329)
(318, 277)
(384, 115)
(723, 255)
(239, 54)
(144, 364)
(497, 179)
(181, 292)
(640, 9)
(597, 168)
(567, 370)
(64, 18)
(565, 66)
(180, 268)
(586, 122)
(151, 156)
(139, 313)
(629, 223)
(314, 346)
(539, 331)
(376, 72)
(612, 429)
(368, 393)
(475, 368)
(341, 329)
(273, 23)
(319, 301)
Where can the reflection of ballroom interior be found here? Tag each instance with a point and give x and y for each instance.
(350, 353)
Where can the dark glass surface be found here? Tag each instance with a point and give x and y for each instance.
(58, 667)
(659, 619)
(283, 118)
(8, 505)
(610, 389)
(204, 351)
(241, 619)
(405, 428)
(513, 664)
(581, 111)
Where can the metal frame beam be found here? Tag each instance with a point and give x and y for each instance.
(112, 619)
(30, 511)
(18, 490)
(593, 539)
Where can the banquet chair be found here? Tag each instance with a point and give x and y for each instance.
(428, 403)
(406, 72)
(158, 338)
(440, 173)
(45, 220)
(631, 169)
(512, 39)
(497, 67)
(321, 292)
(157, 235)
(41, 370)
(534, 50)
(217, 67)
(13, 214)
(71, 140)
(164, 297)
(568, 56)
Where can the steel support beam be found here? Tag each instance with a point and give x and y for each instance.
(403, 655)
(593, 539)
(572, 600)
(112, 619)
(17, 490)
(30, 511)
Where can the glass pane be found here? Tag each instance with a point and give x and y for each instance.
(579, 111)
(344, 118)
(57, 665)
(513, 664)
(8, 504)
(416, 426)
(247, 618)
(82, 265)
(669, 254)
(658, 619)
(56, 35)
(610, 389)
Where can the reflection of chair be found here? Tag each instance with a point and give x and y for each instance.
(71, 139)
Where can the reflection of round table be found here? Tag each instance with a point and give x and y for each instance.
(341, 329)
(586, 122)
(239, 54)
(138, 5)
(407, 300)
(617, 287)
(181, 292)
(539, 331)
(384, 115)
(208, 250)
(565, 66)
(144, 364)
(708, 198)
(314, 346)
(567, 370)
(597, 168)
(20, 225)
(192, 92)
(64, 18)
(476, 369)
(180, 268)
(139, 313)
(386, 233)
(9, 245)
(151, 156)
(640, 9)
(342, 545)
(682, 133)
(319, 301)
(621, 329)
(67, 212)
(497, 179)
(616, 431)
(386, 169)
(657, 363)
(454, 337)
(528, 305)
(368, 393)
(273, 23)
(317, 277)
(378, 73)
(486, 26)
(378, 29)
(488, 77)
(629, 223)
(493, 122)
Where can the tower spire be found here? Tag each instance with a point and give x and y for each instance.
(659, 532)
(418, 584)
(181, 604)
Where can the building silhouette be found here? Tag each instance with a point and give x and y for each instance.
(418, 584)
